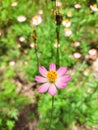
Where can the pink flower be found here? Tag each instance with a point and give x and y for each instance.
(36, 20)
(53, 79)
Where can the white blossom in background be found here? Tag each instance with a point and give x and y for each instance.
(14, 4)
(77, 6)
(67, 32)
(56, 45)
(21, 39)
(25, 63)
(40, 12)
(77, 55)
(21, 18)
(36, 20)
(94, 7)
(69, 14)
(19, 46)
(76, 44)
(90, 90)
(93, 54)
(12, 63)
(0, 33)
(32, 45)
(66, 23)
(58, 3)
(86, 72)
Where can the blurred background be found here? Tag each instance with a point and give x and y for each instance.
(21, 106)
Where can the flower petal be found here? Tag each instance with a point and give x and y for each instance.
(43, 71)
(43, 88)
(40, 79)
(61, 71)
(60, 84)
(65, 78)
(52, 67)
(52, 90)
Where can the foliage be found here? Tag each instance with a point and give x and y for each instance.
(10, 101)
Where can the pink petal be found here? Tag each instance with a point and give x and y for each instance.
(65, 78)
(52, 67)
(61, 71)
(52, 90)
(40, 79)
(43, 71)
(43, 88)
(61, 84)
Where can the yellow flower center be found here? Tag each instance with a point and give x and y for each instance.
(95, 6)
(52, 75)
(36, 17)
(67, 20)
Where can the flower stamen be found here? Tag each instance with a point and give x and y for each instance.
(52, 75)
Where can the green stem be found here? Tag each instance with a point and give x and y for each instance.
(57, 19)
(58, 42)
(36, 47)
(36, 55)
(51, 113)
(46, 1)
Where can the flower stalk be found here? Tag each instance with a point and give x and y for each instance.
(58, 19)
(58, 42)
(51, 117)
(34, 36)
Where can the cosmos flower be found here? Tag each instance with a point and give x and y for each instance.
(86, 72)
(77, 55)
(21, 39)
(53, 79)
(66, 23)
(0, 33)
(67, 32)
(92, 54)
(77, 6)
(18, 45)
(36, 20)
(12, 63)
(40, 12)
(69, 14)
(94, 7)
(58, 4)
(32, 45)
(76, 44)
(14, 4)
(21, 18)
(56, 44)
(92, 51)
(25, 63)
